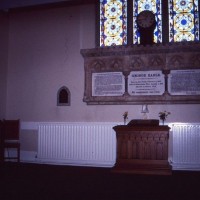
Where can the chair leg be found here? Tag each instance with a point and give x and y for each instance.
(17, 157)
(18, 154)
(1, 153)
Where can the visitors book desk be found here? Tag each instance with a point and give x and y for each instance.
(142, 148)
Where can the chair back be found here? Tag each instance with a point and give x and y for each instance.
(1, 132)
(11, 129)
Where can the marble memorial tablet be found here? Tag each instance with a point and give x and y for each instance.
(146, 83)
(184, 82)
(108, 84)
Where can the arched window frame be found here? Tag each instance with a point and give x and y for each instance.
(68, 100)
(165, 23)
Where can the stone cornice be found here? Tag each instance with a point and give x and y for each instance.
(140, 49)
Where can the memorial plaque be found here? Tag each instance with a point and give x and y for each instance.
(108, 84)
(184, 82)
(146, 83)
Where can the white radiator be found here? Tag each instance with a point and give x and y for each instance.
(185, 146)
(91, 144)
(94, 144)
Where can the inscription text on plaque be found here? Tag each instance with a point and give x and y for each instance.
(184, 82)
(108, 84)
(146, 83)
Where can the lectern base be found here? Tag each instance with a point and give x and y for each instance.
(151, 167)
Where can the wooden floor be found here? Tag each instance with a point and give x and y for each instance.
(47, 182)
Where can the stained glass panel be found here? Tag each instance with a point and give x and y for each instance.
(113, 22)
(155, 7)
(183, 20)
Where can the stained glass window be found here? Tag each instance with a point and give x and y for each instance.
(183, 20)
(113, 22)
(155, 7)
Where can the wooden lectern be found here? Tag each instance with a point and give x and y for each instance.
(142, 148)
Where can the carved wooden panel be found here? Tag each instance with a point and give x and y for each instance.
(142, 149)
(149, 145)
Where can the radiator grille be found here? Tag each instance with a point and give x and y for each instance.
(94, 144)
(80, 144)
(186, 145)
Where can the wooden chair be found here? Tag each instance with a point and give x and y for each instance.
(11, 129)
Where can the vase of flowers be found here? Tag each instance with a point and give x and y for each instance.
(163, 116)
(125, 116)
